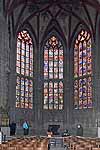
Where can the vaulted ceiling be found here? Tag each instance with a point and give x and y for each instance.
(24, 10)
(11, 5)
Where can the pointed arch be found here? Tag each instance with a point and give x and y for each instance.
(83, 70)
(24, 70)
(53, 73)
(54, 28)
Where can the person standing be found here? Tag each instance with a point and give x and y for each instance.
(26, 128)
(12, 128)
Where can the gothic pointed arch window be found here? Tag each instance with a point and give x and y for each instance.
(53, 74)
(24, 70)
(83, 71)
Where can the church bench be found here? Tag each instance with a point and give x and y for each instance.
(76, 143)
(26, 144)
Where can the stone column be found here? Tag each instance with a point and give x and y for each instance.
(38, 98)
(12, 78)
(1, 6)
(96, 83)
(4, 64)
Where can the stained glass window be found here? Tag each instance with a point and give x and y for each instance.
(53, 74)
(24, 70)
(83, 71)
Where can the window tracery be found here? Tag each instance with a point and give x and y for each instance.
(53, 74)
(83, 71)
(24, 70)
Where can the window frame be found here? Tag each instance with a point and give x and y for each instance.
(54, 80)
(25, 77)
(83, 76)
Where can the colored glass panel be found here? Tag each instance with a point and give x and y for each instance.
(46, 95)
(89, 92)
(18, 92)
(76, 94)
(53, 73)
(82, 71)
(24, 70)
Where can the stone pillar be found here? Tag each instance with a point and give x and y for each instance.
(38, 91)
(4, 65)
(96, 79)
(12, 77)
(1, 6)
